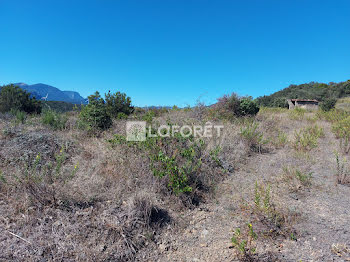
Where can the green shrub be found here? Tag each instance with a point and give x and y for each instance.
(328, 104)
(247, 107)
(118, 103)
(148, 117)
(14, 98)
(122, 115)
(176, 161)
(94, 116)
(236, 106)
(54, 120)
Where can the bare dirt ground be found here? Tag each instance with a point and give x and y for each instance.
(323, 223)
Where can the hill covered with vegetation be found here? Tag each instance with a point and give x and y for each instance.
(312, 90)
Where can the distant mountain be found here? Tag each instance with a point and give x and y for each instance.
(40, 91)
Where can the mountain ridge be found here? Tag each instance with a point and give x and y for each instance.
(40, 91)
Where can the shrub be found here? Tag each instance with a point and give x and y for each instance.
(280, 140)
(247, 107)
(118, 103)
(307, 138)
(14, 98)
(20, 116)
(54, 120)
(328, 104)
(94, 116)
(275, 219)
(234, 105)
(254, 138)
(181, 164)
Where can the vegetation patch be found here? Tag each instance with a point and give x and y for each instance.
(253, 137)
(307, 138)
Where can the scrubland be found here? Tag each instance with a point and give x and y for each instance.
(274, 187)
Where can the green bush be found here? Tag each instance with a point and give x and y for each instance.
(247, 106)
(94, 116)
(14, 98)
(118, 103)
(328, 104)
(237, 106)
(54, 120)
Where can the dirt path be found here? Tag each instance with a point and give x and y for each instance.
(324, 210)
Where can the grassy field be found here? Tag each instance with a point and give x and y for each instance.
(274, 187)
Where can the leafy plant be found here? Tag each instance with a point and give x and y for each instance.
(214, 154)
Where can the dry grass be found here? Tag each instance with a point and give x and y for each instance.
(69, 197)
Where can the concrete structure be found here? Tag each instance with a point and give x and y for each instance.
(303, 103)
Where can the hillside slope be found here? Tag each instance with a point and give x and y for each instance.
(312, 90)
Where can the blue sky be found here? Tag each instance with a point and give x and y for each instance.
(170, 52)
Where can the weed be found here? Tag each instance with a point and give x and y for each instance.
(342, 171)
(21, 116)
(297, 113)
(244, 241)
(254, 138)
(341, 129)
(307, 138)
(296, 179)
(214, 154)
(276, 221)
(54, 120)
(281, 140)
